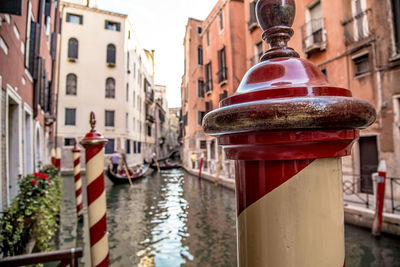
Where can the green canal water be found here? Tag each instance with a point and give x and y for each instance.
(173, 219)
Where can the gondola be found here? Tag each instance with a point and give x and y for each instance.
(123, 179)
(166, 167)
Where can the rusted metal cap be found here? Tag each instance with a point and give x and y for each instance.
(287, 97)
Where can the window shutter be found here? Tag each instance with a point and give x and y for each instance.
(118, 26)
(68, 17)
(32, 43)
(48, 8)
(53, 46)
(106, 24)
(81, 20)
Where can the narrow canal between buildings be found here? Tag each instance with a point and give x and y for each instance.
(173, 219)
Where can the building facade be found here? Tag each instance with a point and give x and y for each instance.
(214, 66)
(104, 69)
(28, 75)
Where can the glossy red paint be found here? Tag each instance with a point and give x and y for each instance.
(266, 176)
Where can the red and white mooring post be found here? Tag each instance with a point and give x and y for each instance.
(287, 128)
(76, 152)
(380, 198)
(53, 156)
(201, 165)
(58, 158)
(94, 143)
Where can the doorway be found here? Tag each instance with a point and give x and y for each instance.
(14, 160)
(368, 162)
(28, 155)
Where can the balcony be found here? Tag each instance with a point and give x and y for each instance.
(149, 118)
(208, 87)
(149, 96)
(222, 76)
(358, 27)
(314, 36)
(161, 116)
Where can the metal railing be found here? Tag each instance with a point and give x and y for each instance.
(222, 74)
(358, 27)
(150, 95)
(352, 185)
(313, 35)
(65, 257)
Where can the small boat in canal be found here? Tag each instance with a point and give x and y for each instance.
(164, 165)
(122, 178)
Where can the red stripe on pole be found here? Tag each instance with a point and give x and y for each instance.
(98, 230)
(105, 262)
(77, 177)
(79, 207)
(77, 161)
(78, 192)
(265, 177)
(95, 189)
(93, 151)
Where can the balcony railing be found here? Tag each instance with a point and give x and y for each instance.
(358, 27)
(222, 75)
(313, 36)
(208, 86)
(149, 118)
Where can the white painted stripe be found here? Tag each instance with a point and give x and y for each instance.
(76, 155)
(77, 169)
(79, 199)
(78, 184)
(97, 209)
(94, 167)
(99, 251)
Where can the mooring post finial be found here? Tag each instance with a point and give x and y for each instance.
(275, 18)
(92, 121)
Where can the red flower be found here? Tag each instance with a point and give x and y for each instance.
(44, 176)
(34, 182)
(36, 174)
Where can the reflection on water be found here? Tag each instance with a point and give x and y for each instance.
(173, 219)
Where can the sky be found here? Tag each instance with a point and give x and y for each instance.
(160, 25)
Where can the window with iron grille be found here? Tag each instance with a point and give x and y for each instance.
(110, 116)
(110, 88)
(111, 54)
(74, 18)
(200, 88)
(110, 146)
(113, 26)
(222, 70)
(73, 48)
(361, 65)
(71, 84)
(200, 55)
(209, 84)
(70, 116)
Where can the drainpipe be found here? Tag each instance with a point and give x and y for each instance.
(287, 128)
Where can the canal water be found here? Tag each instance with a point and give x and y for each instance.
(173, 219)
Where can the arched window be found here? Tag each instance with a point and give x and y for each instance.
(71, 84)
(73, 48)
(110, 88)
(111, 53)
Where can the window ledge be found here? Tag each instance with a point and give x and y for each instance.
(362, 75)
(395, 57)
(223, 83)
(111, 65)
(71, 59)
(110, 128)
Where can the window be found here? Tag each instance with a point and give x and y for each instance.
(134, 124)
(111, 54)
(200, 88)
(209, 106)
(209, 83)
(212, 149)
(74, 18)
(69, 141)
(203, 144)
(223, 95)
(134, 98)
(110, 88)
(71, 84)
(139, 146)
(314, 39)
(73, 48)
(109, 122)
(70, 116)
(110, 146)
(221, 20)
(200, 116)
(128, 62)
(134, 147)
(258, 52)
(113, 26)
(360, 24)
(253, 19)
(198, 29)
(222, 70)
(127, 121)
(325, 72)
(361, 65)
(128, 146)
(148, 130)
(396, 22)
(208, 38)
(127, 92)
(200, 55)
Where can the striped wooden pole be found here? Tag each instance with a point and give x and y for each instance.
(76, 152)
(58, 158)
(53, 156)
(94, 143)
(286, 128)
